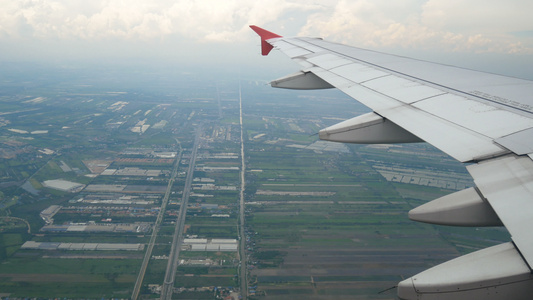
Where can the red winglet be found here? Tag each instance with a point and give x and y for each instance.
(265, 35)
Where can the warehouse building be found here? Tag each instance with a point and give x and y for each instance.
(229, 245)
(81, 246)
(63, 185)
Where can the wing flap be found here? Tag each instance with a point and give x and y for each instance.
(295, 51)
(520, 142)
(328, 61)
(476, 116)
(358, 73)
(290, 49)
(305, 44)
(460, 143)
(401, 89)
(507, 184)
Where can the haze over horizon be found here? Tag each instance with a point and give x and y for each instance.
(212, 33)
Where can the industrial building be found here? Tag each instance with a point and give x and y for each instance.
(229, 245)
(95, 227)
(48, 214)
(63, 185)
(82, 246)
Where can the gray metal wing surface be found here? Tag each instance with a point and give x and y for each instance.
(482, 119)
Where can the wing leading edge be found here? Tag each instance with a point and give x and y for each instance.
(479, 118)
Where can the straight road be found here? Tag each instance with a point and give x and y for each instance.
(172, 264)
(242, 237)
(155, 231)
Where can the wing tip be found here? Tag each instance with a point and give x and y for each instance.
(265, 35)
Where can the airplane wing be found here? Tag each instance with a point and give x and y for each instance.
(482, 119)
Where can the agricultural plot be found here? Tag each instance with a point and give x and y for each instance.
(331, 225)
(48, 277)
(322, 220)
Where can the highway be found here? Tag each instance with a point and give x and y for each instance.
(173, 260)
(155, 231)
(172, 264)
(243, 278)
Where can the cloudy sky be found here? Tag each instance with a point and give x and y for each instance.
(207, 31)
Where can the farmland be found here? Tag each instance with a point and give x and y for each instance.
(320, 220)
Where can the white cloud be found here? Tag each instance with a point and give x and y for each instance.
(148, 26)
(203, 20)
(478, 16)
(479, 26)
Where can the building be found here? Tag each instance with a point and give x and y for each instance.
(63, 185)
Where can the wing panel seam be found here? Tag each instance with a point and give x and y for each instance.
(404, 75)
(409, 105)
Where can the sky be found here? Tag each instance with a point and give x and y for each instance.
(491, 35)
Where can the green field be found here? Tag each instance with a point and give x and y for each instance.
(352, 236)
(322, 220)
(49, 277)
